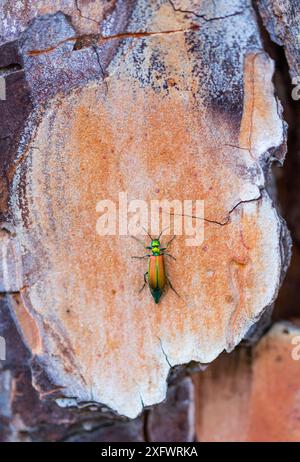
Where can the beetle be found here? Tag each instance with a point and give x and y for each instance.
(156, 276)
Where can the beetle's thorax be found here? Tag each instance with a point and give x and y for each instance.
(156, 251)
(155, 247)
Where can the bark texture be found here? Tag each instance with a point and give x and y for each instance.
(282, 21)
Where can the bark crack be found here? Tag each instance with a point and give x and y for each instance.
(82, 15)
(164, 353)
(84, 41)
(142, 401)
(204, 16)
(95, 48)
(227, 220)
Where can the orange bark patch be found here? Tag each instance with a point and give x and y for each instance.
(28, 325)
(252, 398)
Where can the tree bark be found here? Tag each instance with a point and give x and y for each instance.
(159, 100)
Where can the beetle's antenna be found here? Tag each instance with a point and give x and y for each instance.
(148, 233)
(139, 241)
(163, 231)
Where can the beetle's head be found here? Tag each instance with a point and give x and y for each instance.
(155, 243)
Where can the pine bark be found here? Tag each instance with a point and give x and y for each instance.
(161, 99)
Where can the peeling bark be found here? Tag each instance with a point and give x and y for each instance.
(282, 20)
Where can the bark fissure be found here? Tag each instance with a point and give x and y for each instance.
(83, 16)
(85, 41)
(224, 223)
(203, 16)
(164, 353)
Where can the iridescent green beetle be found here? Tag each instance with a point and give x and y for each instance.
(157, 277)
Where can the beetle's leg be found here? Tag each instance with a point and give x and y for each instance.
(171, 240)
(169, 255)
(139, 241)
(144, 256)
(172, 287)
(145, 282)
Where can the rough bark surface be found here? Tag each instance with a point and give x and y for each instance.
(282, 20)
(162, 99)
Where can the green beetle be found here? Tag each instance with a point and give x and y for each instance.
(156, 274)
